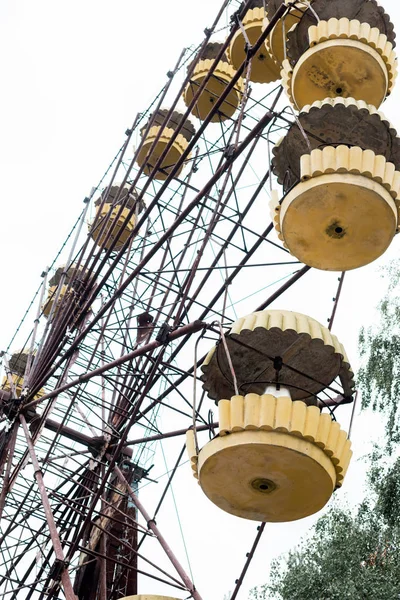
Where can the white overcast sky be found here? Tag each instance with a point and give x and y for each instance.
(73, 75)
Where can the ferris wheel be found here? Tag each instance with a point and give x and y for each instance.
(159, 347)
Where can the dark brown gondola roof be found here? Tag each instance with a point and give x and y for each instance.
(78, 277)
(128, 200)
(334, 124)
(257, 4)
(187, 130)
(210, 52)
(365, 11)
(18, 361)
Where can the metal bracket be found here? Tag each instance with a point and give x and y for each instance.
(242, 29)
(57, 569)
(163, 333)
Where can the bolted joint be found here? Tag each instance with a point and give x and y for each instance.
(163, 333)
(57, 569)
(150, 523)
(229, 151)
(236, 15)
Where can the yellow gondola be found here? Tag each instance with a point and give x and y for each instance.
(276, 457)
(17, 365)
(273, 459)
(160, 134)
(215, 86)
(275, 42)
(264, 68)
(113, 222)
(75, 282)
(347, 53)
(340, 208)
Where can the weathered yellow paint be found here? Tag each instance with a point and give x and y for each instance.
(338, 222)
(149, 158)
(264, 68)
(312, 423)
(341, 468)
(298, 418)
(276, 40)
(355, 160)
(299, 475)
(355, 30)
(283, 414)
(346, 58)
(348, 103)
(219, 80)
(51, 296)
(190, 444)
(331, 443)
(324, 428)
(237, 413)
(18, 381)
(344, 68)
(340, 445)
(267, 412)
(120, 226)
(46, 307)
(272, 475)
(303, 476)
(224, 407)
(252, 411)
(344, 28)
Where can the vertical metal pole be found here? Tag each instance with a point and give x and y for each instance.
(9, 376)
(103, 568)
(151, 525)
(249, 557)
(10, 452)
(55, 539)
(353, 412)
(103, 385)
(60, 284)
(103, 549)
(36, 323)
(336, 300)
(103, 541)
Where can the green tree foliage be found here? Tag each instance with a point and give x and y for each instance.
(352, 556)
(379, 377)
